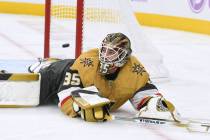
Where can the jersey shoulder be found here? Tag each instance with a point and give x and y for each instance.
(86, 65)
(136, 66)
(87, 60)
(133, 60)
(137, 71)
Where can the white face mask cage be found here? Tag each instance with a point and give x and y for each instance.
(110, 56)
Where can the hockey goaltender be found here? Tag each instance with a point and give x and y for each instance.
(97, 82)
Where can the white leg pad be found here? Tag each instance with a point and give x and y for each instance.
(19, 93)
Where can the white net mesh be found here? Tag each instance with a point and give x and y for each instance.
(100, 18)
(62, 28)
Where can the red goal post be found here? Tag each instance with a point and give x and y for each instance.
(79, 21)
(47, 29)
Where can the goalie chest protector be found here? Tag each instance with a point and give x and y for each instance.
(131, 78)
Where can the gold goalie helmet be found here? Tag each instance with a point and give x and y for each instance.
(114, 52)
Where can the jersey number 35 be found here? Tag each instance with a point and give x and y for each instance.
(72, 79)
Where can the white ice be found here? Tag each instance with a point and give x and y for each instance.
(186, 55)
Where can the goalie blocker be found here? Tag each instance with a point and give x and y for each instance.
(90, 106)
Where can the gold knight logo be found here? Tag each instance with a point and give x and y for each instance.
(86, 62)
(137, 68)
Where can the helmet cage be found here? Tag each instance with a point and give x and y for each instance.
(113, 55)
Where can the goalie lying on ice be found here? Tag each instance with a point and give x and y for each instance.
(99, 81)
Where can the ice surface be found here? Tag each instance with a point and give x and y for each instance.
(186, 55)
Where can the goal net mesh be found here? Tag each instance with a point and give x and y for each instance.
(100, 18)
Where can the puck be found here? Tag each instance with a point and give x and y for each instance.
(65, 45)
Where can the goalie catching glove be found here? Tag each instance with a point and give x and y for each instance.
(149, 101)
(87, 104)
(161, 104)
(157, 105)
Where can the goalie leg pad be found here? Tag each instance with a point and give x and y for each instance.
(19, 89)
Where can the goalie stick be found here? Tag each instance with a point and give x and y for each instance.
(192, 125)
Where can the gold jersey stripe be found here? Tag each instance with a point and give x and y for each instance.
(19, 76)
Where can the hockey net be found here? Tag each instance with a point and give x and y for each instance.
(74, 26)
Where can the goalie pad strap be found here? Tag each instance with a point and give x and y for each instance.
(75, 93)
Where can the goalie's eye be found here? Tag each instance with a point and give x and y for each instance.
(103, 50)
(107, 51)
(110, 52)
